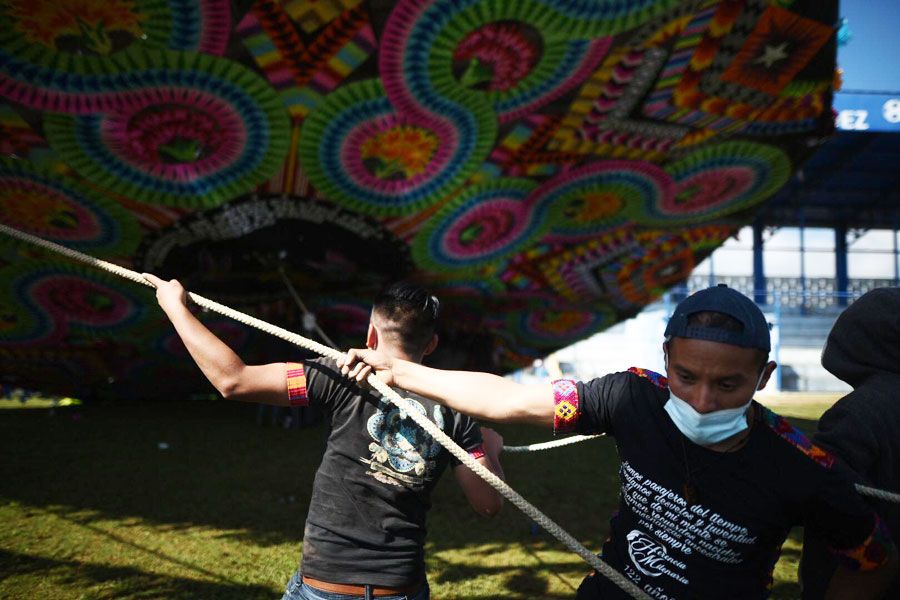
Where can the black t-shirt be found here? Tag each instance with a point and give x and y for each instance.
(366, 520)
(725, 541)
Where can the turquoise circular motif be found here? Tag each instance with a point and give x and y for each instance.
(557, 327)
(64, 305)
(601, 196)
(482, 225)
(719, 180)
(63, 57)
(62, 210)
(363, 153)
(198, 130)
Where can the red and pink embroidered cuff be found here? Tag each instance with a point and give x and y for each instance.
(565, 406)
(296, 384)
(477, 452)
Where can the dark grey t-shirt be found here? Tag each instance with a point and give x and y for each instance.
(366, 521)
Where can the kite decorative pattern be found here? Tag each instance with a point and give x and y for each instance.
(199, 131)
(547, 167)
(62, 210)
(70, 56)
(58, 304)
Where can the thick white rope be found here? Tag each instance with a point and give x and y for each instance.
(877, 493)
(552, 444)
(862, 489)
(421, 420)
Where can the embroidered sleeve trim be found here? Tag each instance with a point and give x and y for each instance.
(566, 408)
(793, 436)
(869, 555)
(296, 385)
(655, 378)
(477, 452)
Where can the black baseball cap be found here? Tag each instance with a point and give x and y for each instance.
(721, 299)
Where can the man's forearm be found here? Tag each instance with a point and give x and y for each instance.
(481, 395)
(216, 360)
(495, 467)
(224, 369)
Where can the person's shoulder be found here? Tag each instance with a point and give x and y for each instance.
(321, 365)
(637, 375)
(868, 405)
(792, 440)
(635, 382)
(325, 382)
(646, 376)
(320, 361)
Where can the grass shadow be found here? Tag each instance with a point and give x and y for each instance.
(103, 581)
(252, 484)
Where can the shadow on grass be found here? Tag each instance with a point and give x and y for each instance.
(222, 471)
(84, 523)
(113, 582)
(217, 469)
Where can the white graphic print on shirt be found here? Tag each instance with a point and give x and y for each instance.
(672, 528)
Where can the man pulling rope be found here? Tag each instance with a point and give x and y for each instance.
(711, 480)
(407, 409)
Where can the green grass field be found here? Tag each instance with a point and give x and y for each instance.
(92, 508)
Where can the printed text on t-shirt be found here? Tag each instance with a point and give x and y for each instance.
(684, 528)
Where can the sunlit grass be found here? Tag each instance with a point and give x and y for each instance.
(10, 404)
(92, 507)
(15, 398)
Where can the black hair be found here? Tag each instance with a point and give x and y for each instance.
(410, 314)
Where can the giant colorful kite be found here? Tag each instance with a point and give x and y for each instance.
(548, 167)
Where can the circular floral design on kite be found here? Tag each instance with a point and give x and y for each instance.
(181, 139)
(63, 211)
(57, 55)
(497, 56)
(63, 304)
(601, 196)
(719, 180)
(211, 130)
(362, 153)
(510, 58)
(555, 327)
(97, 27)
(482, 225)
(399, 153)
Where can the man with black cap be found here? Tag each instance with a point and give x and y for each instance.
(711, 481)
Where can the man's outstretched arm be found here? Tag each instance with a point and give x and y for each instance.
(480, 395)
(224, 369)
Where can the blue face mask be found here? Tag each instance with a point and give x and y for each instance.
(710, 428)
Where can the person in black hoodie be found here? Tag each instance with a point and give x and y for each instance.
(863, 427)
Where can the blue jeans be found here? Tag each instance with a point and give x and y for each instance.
(297, 591)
